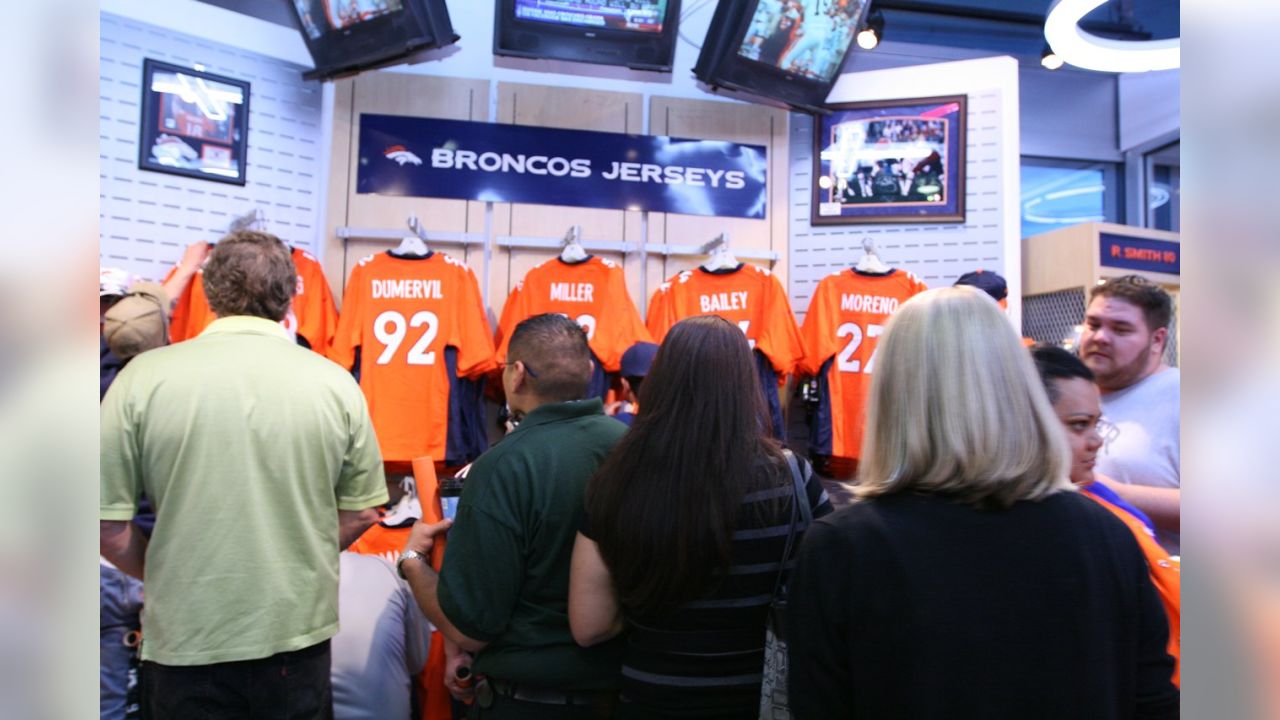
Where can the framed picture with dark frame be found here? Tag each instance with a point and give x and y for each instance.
(890, 161)
(194, 123)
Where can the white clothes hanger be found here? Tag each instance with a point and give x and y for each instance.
(721, 257)
(573, 252)
(255, 219)
(870, 262)
(413, 245)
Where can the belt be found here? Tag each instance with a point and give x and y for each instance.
(551, 696)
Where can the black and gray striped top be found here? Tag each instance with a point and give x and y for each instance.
(704, 660)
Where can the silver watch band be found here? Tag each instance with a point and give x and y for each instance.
(408, 555)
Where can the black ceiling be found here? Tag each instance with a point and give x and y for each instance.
(1014, 27)
(1017, 26)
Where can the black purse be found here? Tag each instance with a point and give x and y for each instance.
(773, 686)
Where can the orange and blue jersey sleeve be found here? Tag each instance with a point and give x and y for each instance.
(178, 318)
(347, 336)
(472, 336)
(917, 285)
(621, 327)
(660, 317)
(819, 330)
(779, 338)
(516, 310)
(191, 313)
(313, 306)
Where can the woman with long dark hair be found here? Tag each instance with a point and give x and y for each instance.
(687, 522)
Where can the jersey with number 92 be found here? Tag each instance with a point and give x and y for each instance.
(403, 314)
(846, 317)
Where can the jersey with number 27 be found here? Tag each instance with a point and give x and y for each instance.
(419, 327)
(841, 330)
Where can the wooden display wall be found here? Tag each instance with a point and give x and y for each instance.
(558, 107)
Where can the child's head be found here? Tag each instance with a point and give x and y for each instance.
(635, 366)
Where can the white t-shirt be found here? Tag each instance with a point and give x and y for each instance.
(382, 643)
(1146, 451)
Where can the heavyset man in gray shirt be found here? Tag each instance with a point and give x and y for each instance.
(1124, 343)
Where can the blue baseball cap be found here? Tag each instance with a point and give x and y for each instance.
(637, 359)
(990, 283)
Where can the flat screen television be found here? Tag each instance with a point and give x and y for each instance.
(346, 36)
(786, 50)
(638, 34)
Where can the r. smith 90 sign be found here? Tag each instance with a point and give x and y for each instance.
(1130, 253)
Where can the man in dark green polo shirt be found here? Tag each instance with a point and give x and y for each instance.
(503, 591)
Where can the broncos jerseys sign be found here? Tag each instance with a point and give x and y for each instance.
(425, 157)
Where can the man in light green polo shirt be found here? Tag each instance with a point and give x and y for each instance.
(261, 461)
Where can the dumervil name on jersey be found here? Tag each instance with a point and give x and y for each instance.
(407, 289)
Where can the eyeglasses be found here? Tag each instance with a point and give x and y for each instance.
(527, 369)
(1107, 430)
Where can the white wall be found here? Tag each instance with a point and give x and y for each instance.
(147, 218)
(938, 253)
(1149, 107)
(1063, 113)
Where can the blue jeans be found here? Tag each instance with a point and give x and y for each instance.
(120, 602)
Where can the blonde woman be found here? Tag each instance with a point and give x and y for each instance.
(969, 579)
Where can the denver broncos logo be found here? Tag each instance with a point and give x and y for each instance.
(401, 155)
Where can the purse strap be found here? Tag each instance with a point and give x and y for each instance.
(799, 506)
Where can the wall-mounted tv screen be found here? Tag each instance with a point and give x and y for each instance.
(346, 36)
(786, 50)
(638, 34)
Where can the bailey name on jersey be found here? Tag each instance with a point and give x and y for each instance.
(720, 302)
(407, 289)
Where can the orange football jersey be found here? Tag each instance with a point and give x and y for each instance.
(418, 325)
(314, 316)
(1166, 575)
(748, 296)
(592, 292)
(846, 315)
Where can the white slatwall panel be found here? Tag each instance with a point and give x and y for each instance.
(937, 253)
(147, 218)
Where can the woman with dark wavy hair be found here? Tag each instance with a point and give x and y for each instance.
(687, 522)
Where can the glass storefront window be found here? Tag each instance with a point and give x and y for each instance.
(1061, 193)
(1164, 188)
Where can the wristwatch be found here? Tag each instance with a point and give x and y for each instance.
(408, 555)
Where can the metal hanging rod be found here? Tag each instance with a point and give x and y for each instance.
(700, 251)
(543, 243)
(441, 238)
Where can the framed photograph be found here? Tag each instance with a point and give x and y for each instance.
(194, 123)
(891, 161)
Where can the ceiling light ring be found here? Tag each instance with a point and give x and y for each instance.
(1091, 52)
